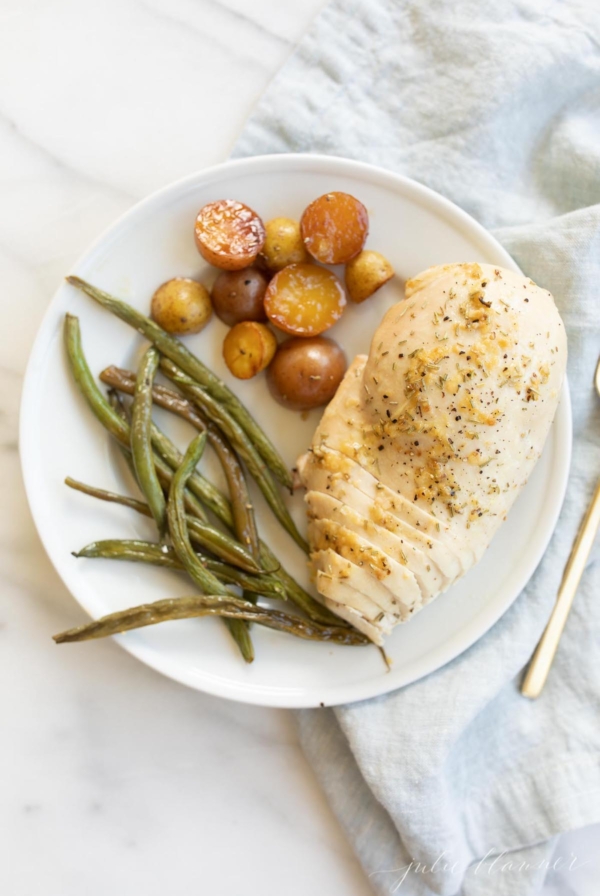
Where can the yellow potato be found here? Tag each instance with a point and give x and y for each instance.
(366, 273)
(283, 244)
(248, 348)
(181, 306)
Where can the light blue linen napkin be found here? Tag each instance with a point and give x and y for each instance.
(497, 106)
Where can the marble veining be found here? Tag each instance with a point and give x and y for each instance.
(113, 778)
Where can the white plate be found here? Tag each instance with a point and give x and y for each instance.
(414, 228)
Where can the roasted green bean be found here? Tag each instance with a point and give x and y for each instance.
(244, 523)
(222, 509)
(133, 550)
(313, 609)
(116, 403)
(110, 418)
(181, 542)
(240, 441)
(164, 555)
(111, 497)
(198, 485)
(175, 350)
(227, 606)
(222, 545)
(170, 400)
(87, 385)
(243, 516)
(203, 534)
(141, 439)
(124, 381)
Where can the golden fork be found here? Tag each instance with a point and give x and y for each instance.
(539, 667)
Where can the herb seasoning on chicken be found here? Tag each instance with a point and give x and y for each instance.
(429, 440)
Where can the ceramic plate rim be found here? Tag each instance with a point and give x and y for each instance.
(482, 621)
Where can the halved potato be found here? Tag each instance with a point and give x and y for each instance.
(334, 227)
(304, 299)
(248, 348)
(229, 234)
(366, 273)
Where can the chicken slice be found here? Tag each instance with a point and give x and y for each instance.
(345, 610)
(398, 579)
(440, 556)
(360, 578)
(429, 578)
(324, 465)
(327, 566)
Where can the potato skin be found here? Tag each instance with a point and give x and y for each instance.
(248, 348)
(181, 306)
(283, 244)
(365, 274)
(239, 295)
(334, 227)
(305, 373)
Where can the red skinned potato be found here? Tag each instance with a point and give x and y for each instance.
(305, 373)
(239, 295)
(229, 234)
(334, 228)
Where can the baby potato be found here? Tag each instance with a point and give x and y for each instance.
(366, 273)
(239, 295)
(334, 227)
(248, 348)
(304, 299)
(181, 306)
(305, 373)
(229, 234)
(283, 244)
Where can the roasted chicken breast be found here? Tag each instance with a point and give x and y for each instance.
(429, 440)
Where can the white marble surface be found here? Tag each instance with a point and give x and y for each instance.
(113, 779)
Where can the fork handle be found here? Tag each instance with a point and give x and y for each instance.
(539, 667)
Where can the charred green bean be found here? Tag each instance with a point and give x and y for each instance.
(226, 606)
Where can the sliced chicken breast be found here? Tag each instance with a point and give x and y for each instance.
(325, 506)
(398, 579)
(441, 557)
(358, 578)
(433, 435)
(329, 470)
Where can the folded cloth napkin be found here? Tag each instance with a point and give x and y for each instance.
(457, 784)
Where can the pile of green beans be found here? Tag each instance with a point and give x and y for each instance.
(172, 348)
(179, 498)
